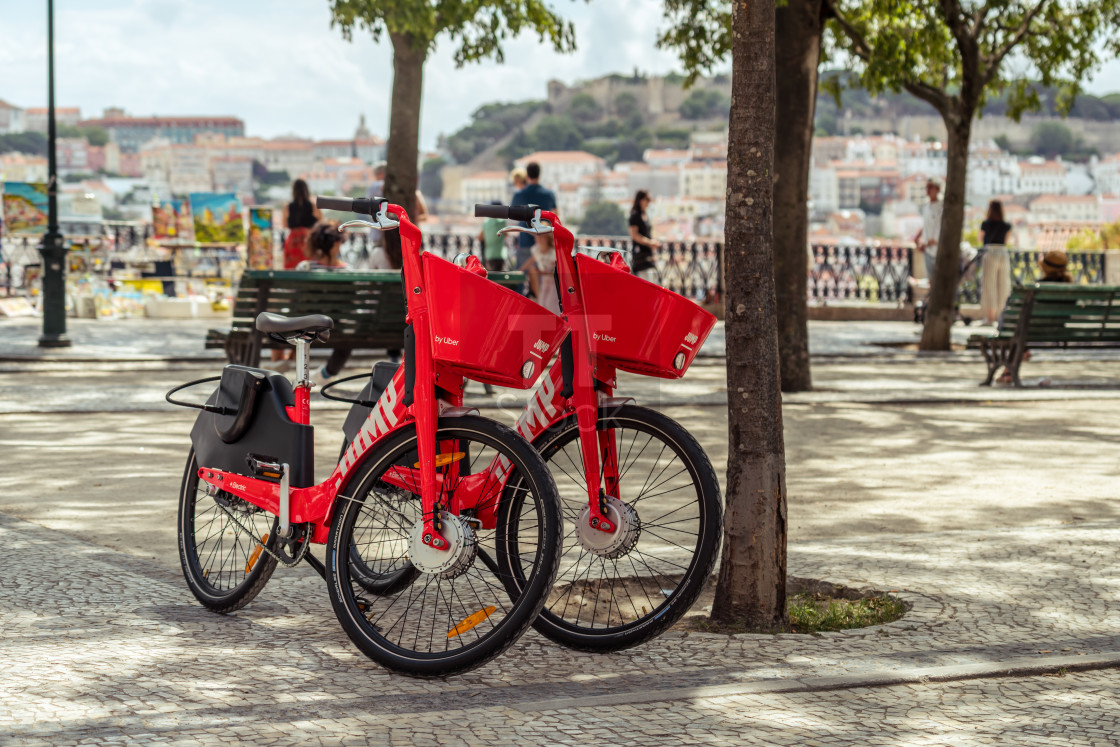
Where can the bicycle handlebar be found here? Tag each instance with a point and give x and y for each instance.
(506, 212)
(362, 205)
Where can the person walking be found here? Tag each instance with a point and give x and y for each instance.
(927, 237)
(641, 238)
(995, 268)
(531, 194)
(493, 245)
(299, 216)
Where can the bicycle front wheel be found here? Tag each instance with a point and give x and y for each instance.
(616, 591)
(225, 567)
(453, 610)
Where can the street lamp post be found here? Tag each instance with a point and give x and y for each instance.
(54, 253)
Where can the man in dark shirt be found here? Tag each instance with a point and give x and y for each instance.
(532, 194)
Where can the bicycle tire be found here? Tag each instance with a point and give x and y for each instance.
(364, 576)
(216, 544)
(658, 611)
(384, 639)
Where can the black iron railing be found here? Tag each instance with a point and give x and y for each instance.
(875, 274)
(871, 274)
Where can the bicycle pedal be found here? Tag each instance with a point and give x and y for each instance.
(265, 466)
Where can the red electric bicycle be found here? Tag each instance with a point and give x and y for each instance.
(461, 503)
(641, 501)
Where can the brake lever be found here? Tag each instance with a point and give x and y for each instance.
(383, 223)
(521, 229)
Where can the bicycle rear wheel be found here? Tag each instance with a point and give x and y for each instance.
(449, 611)
(224, 567)
(616, 591)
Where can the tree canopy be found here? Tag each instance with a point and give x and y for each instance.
(931, 49)
(479, 26)
(603, 219)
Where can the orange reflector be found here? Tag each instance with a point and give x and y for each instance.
(471, 621)
(256, 554)
(445, 459)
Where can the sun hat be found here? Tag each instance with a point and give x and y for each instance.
(1056, 259)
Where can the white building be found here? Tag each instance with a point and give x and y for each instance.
(484, 187)
(11, 118)
(925, 158)
(190, 170)
(560, 166)
(1077, 208)
(232, 174)
(1106, 174)
(19, 167)
(659, 157)
(824, 189)
(1039, 177)
(605, 187)
(703, 180)
(71, 155)
(292, 156)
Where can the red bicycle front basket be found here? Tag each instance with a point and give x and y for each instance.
(637, 325)
(485, 332)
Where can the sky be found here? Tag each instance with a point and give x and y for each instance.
(279, 66)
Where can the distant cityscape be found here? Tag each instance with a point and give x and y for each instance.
(863, 187)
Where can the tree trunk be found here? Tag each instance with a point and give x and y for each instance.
(752, 577)
(941, 312)
(401, 152)
(798, 27)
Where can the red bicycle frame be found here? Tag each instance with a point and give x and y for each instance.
(315, 504)
(671, 328)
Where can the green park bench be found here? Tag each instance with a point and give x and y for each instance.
(1051, 315)
(367, 307)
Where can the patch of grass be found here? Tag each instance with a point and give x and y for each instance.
(818, 608)
(817, 613)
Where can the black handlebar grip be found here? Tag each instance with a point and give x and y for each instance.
(335, 203)
(523, 212)
(491, 211)
(362, 205)
(506, 212)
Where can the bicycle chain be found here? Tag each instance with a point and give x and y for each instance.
(305, 545)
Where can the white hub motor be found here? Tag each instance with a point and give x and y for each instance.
(449, 562)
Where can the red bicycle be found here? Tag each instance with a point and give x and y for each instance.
(431, 512)
(641, 501)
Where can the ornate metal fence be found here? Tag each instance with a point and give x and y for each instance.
(871, 274)
(865, 274)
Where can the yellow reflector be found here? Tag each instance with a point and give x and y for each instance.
(471, 621)
(256, 554)
(445, 459)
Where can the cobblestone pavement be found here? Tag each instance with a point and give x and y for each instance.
(102, 647)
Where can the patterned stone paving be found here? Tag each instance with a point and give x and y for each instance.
(104, 648)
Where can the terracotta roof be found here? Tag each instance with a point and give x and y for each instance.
(1048, 166)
